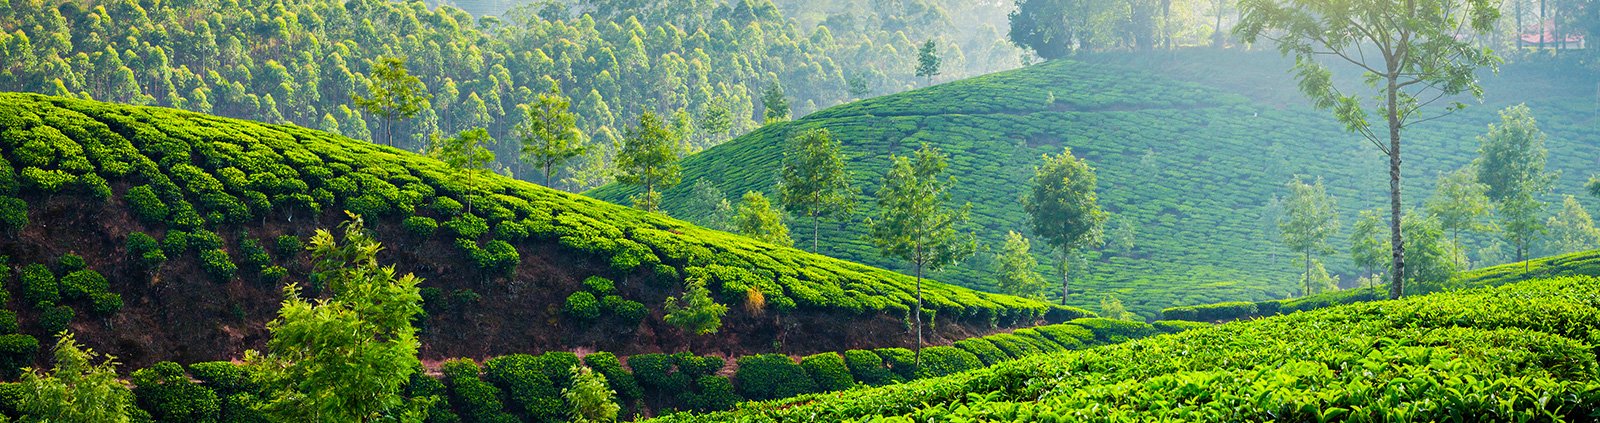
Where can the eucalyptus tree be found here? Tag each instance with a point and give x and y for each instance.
(392, 94)
(1511, 162)
(757, 219)
(550, 137)
(1461, 203)
(1064, 209)
(649, 159)
(1412, 55)
(814, 181)
(1014, 268)
(1310, 218)
(468, 153)
(928, 61)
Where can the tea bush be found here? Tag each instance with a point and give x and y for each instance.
(144, 250)
(769, 376)
(828, 371)
(582, 305)
(39, 285)
(867, 367)
(942, 360)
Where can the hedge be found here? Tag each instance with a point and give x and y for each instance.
(1175, 326)
(943, 360)
(769, 376)
(618, 378)
(983, 349)
(525, 385)
(165, 391)
(16, 352)
(1115, 331)
(828, 371)
(867, 367)
(582, 305)
(39, 285)
(1212, 312)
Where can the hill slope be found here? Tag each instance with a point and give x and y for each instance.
(1514, 352)
(231, 200)
(1188, 164)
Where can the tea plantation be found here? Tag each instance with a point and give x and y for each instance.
(1189, 148)
(197, 221)
(1519, 352)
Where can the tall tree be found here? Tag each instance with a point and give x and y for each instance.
(344, 357)
(76, 390)
(1511, 162)
(1014, 268)
(392, 94)
(1461, 203)
(550, 136)
(469, 154)
(1367, 245)
(1064, 209)
(1594, 183)
(649, 159)
(914, 222)
(814, 181)
(1433, 258)
(758, 219)
(928, 61)
(1310, 218)
(1412, 54)
(1572, 229)
(774, 104)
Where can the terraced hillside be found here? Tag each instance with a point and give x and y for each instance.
(1189, 148)
(158, 234)
(1519, 352)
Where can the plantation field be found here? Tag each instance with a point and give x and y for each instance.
(1188, 149)
(196, 221)
(1517, 352)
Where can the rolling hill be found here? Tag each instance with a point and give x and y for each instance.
(159, 234)
(1189, 146)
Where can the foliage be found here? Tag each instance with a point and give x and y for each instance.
(928, 60)
(769, 376)
(619, 379)
(217, 264)
(39, 285)
(867, 367)
(1311, 217)
(1219, 312)
(344, 357)
(13, 214)
(697, 313)
(146, 205)
(829, 371)
(165, 391)
(421, 226)
(649, 159)
(1014, 272)
(1368, 247)
(582, 305)
(550, 135)
(756, 218)
(1511, 162)
(468, 153)
(943, 360)
(77, 389)
(1063, 208)
(589, 398)
(392, 94)
(814, 180)
(774, 104)
(1571, 229)
(526, 385)
(16, 352)
(79, 285)
(145, 250)
(1461, 203)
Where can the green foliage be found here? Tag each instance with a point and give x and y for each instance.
(81, 284)
(77, 389)
(39, 285)
(175, 243)
(983, 349)
(527, 389)
(474, 399)
(1175, 326)
(13, 214)
(628, 311)
(166, 392)
(697, 313)
(16, 352)
(619, 379)
(217, 264)
(420, 226)
(649, 159)
(467, 226)
(901, 361)
(469, 155)
(1014, 266)
(1310, 218)
(393, 93)
(942, 360)
(829, 371)
(588, 398)
(105, 303)
(599, 285)
(289, 246)
(1572, 229)
(814, 181)
(70, 262)
(8, 322)
(348, 355)
(774, 104)
(769, 376)
(550, 136)
(1219, 312)
(867, 367)
(713, 393)
(254, 255)
(756, 218)
(1111, 308)
(928, 60)
(582, 305)
(1115, 331)
(145, 250)
(915, 225)
(1063, 208)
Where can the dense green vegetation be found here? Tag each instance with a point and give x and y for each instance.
(1190, 148)
(203, 185)
(1508, 353)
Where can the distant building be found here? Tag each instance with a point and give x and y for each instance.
(1531, 37)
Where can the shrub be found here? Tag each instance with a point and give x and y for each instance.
(582, 305)
(467, 226)
(1175, 326)
(224, 377)
(168, 395)
(698, 313)
(901, 361)
(828, 371)
(626, 310)
(867, 367)
(146, 205)
(218, 265)
(464, 297)
(254, 255)
(527, 388)
(589, 399)
(144, 250)
(16, 352)
(944, 360)
(201, 240)
(82, 284)
(1115, 331)
(1068, 335)
(475, 399)
(656, 373)
(71, 263)
(273, 274)
(619, 378)
(46, 180)
(96, 186)
(770, 376)
(1211, 312)
(695, 366)
(39, 285)
(1269, 307)
(557, 365)
(502, 257)
(446, 206)
(8, 322)
(13, 214)
(983, 349)
(289, 246)
(105, 303)
(510, 230)
(599, 285)
(54, 319)
(420, 226)
(712, 393)
(175, 243)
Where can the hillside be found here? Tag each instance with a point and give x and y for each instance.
(1189, 148)
(170, 234)
(1512, 353)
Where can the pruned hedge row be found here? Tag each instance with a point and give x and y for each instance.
(1519, 352)
(190, 176)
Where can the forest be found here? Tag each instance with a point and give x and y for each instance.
(504, 211)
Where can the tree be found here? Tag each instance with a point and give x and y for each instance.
(344, 357)
(649, 159)
(774, 104)
(589, 397)
(758, 219)
(1413, 54)
(814, 181)
(1434, 259)
(1511, 159)
(1317, 280)
(928, 61)
(1309, 219)
(1572, 229)
(708, 207)
(1367, 245)
(1064, 209)
(1594, 183)
(1014, 268)
(697, 313)
(468, 153)
(392, 94)
(1111, 308)
(1460, 203)
(76, 390)
(915, 224)
(550, 136)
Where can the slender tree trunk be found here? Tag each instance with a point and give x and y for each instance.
(816, 231)
(1542, 29)
(919, 307)
(1397, 284)
(547, 175)
(1066, 278)
(1305, 281)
